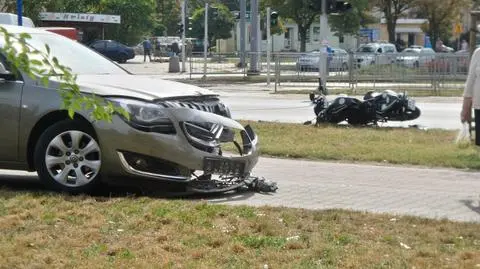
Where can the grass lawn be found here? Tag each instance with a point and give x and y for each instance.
(435, 148)
(43, 230)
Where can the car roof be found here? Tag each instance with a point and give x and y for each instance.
(15, 29)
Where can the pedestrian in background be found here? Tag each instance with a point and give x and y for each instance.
(464, 45)
(147, 50)
(471, 95)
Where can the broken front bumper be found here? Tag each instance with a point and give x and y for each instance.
(188, 149)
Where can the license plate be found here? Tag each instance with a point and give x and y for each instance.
(223, 166)
(411, 104)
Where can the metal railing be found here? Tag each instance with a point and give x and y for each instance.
(352, 70)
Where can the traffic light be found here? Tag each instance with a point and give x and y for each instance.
(273, 18)
(336, 6)
(190, 19)
(214, 11)
(179, 28)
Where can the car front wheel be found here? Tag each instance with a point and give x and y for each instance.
(68, 157)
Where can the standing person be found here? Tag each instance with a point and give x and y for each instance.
(439, 47)
(471, 95)
(147, 50)
(464, 45)
(175, 48)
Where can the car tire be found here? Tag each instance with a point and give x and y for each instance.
(67, 157)
(122, 59)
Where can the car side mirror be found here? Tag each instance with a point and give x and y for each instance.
(5, 74)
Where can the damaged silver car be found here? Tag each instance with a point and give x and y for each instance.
(176, 132)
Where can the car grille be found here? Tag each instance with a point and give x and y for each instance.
(208, 105)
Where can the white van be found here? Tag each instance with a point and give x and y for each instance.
(12, 19)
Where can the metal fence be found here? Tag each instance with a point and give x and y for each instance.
(440, 71)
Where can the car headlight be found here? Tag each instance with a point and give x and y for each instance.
(222, 109)
(145, 116)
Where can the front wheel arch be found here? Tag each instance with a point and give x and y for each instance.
(43, 124)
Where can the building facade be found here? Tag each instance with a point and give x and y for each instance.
(289, 41)
(409, 30)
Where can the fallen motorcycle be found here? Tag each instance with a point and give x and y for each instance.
(374, 108)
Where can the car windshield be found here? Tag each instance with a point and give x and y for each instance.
(81, 59)
(366, 49)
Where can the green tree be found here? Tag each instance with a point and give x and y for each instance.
(220, 25)
(350, 22)
(274, 30)
(441, 18)
(138, 19)
(75, 6)
(168, 15)
(303, 12)
(392, 10)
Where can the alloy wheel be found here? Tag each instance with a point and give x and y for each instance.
(73, 158)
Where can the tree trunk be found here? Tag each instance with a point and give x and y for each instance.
(303, 38)
(391, 25)
(391, 19)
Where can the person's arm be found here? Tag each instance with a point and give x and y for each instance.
(468, 92)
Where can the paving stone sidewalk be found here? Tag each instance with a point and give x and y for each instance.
(432, 193)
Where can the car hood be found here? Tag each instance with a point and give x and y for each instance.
(138, 86)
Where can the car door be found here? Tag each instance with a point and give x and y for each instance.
(112, 50)
(10, 102)
(99, 46)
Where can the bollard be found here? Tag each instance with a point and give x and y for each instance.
(174, 64)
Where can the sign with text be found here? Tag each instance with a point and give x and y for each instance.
(80, 17)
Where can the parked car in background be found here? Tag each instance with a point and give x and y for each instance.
(375, 53)
(463, 60)
(114, 50)
(415, 57)
(12, 19)
(337, 60)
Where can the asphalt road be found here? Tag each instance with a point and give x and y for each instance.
(256, 101)
(436, 112)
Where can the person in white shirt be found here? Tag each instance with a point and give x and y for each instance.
(471, 95)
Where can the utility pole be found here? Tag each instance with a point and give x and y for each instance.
(184, 51)
(20, 12)
(205, 42)
(268, 45)
(243, 11)
(254, 36)
(323, 69)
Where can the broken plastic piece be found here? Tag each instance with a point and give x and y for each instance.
(261, 185)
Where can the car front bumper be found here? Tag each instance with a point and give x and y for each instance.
(127, 151)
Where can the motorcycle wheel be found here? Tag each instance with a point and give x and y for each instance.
(413, 114)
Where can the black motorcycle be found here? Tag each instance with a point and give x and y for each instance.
(374, 108)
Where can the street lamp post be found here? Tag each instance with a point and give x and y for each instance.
(19, 11)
